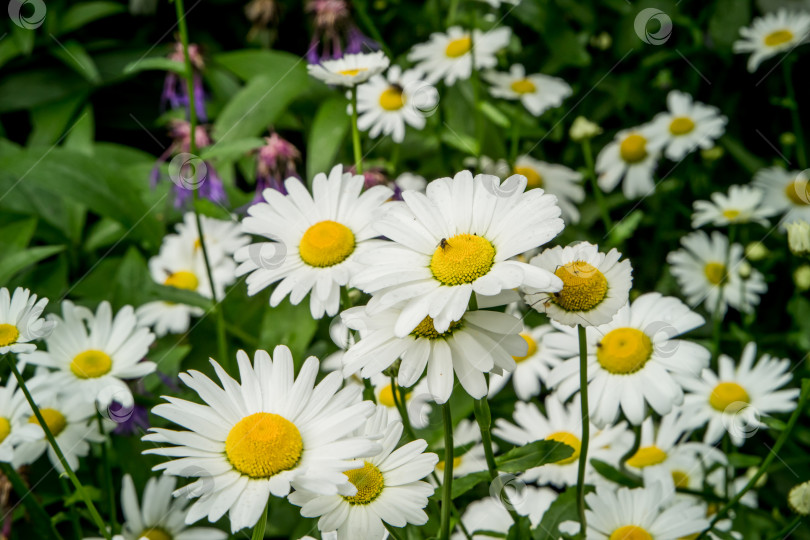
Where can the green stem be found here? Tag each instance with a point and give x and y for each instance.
(393, 531)
(787, 529)
(476, 82)
(358, 153)
(783, 437)
(597, 192)
(108, 478)
(447, 485)
(583, 451)
(515, 144)
(26, 497)
(451, 13)
(258, 530)
(58, 451)
(222, 343)
(399, 402)
(484, 418)
(368, 391)
(801, 155)
(74, 518)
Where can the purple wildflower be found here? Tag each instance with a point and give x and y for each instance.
(333, 25)
(175, 91)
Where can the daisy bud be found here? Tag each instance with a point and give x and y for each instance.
(787, 139)
(602, 42)
(799, 498)
(798, 234)
(750, 472)
(802, 277)
(712, 154)
(745, 270)
(582, 129)
(756, 251)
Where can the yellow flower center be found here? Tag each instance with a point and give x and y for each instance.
(523, 86)
(624, 350)
(183, 280)
(458, 47)
(456, 463)
(264, 444)
(428, 331)
(90, 364)
(630, 532)
(462, 259)
(386, 396)
(647, 456)
(54, 419)
(798, 192)
(326, 244)
(571, 440)
(534, 180)
(681, 125)
(680, 479)
(155, 534)
(729, 397)
(8, 334)
(391, 99)
(584, 287)
(369, 483)
(352, 72)
(633, 148)
(532, 348)
(5, 428)
(778, 37)
(731, 214)
(715, 272)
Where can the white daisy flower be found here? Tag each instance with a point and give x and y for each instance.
(640, 514)
(262, 436)
(389, 487)
(410, 181)
(595, 285)
(317, 238)
(162, 517)
(771, 34)
(93, 353)
(20, 321)
(473, 460)
(386, 103)
(742, 204)
(222, 237)
(450, 56)
(532, 368)
(180, 263)
(473, 345)
(457, 239)
(686, 126)
(416, 402)
(536, 92)
(491, 514)
(14, 426)
(558, 180)
(563, 423)
(632, 157)
(734, 400)
(664, 457)
(351, 70)
(786, 192)
(71, 420)
(632, 360)
(709, 272)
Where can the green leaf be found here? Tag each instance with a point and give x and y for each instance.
(74, 56)
(247, 64)
(615, 475)
(523, 458)
(13, 263)
(32, 88)
(494, 114)
(84, 179)
(724, 26)
(749, 161)
(79, 15)
(625, 228)
(82, 132)
(329, 129)
(159, 63)
(104, 232)
(52, 119)
(564, 508)
(16, 236)
(465, 483)
(92, 492)
(520, 530)
(460, 141)
(258, 104)
(178, 296)
(289, 325)
(231, 151)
